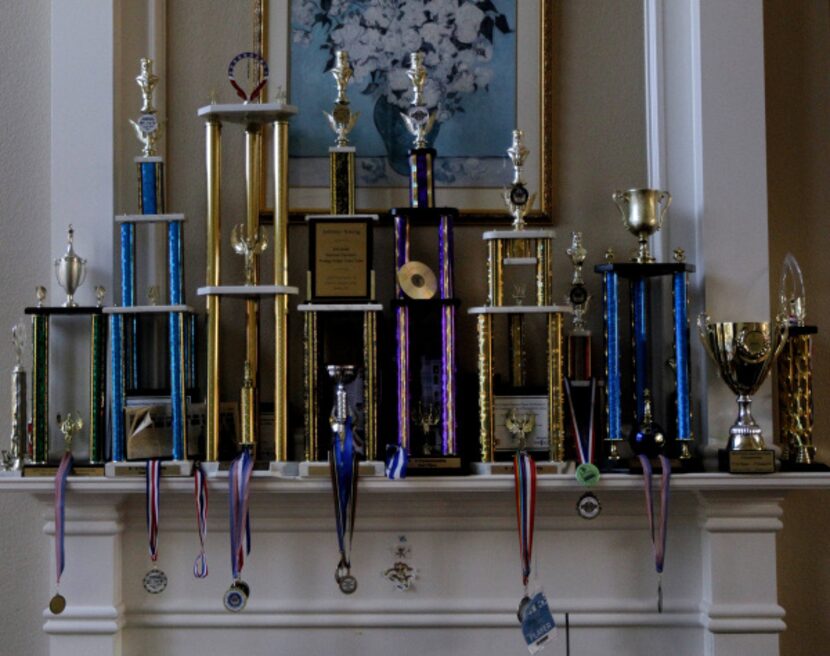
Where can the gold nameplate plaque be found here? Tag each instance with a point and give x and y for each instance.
(752, 462)
(340, 258)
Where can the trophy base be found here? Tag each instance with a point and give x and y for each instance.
(11, 473)
(746, 462)
(787, 466)
(435, 466)
(50, 471)
(169, 469)
(321, 469)
(285, 469)
(506, 468)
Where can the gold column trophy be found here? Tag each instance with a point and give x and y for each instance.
(340, 315)
(743, 353)
(249, 240)
(795, 374)
(70, 271)
(149, 400)
(16, 458)
(515, 413)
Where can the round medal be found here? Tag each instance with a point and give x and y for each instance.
(519, 195)
(148, 123)
(57, 604)
(523, 604)
(155, 581)
(419, 114)
(588, 506)
(578, 295)
(587, 473)
(348, 584)
(236, 596)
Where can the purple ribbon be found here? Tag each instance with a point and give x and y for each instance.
(658, 535)
(153, 480)
(60, 507)
(239, 481)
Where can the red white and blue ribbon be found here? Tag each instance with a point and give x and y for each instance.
(200, 492)
(524, 470)
(585, 448)
(344, 468)
(239, 482)
(658, 533)
(60, 507)
(153, 479)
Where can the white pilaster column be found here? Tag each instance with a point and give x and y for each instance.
(740, 607)
(707, 145)
(91, 581)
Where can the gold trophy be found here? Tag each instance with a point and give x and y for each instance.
(418, 119)
(147, 128)
(342, 119)
(744, 352)
(70, 270)
(795, 374)
(249, 246)
(643, 211)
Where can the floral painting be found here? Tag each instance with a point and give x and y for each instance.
(469, 51)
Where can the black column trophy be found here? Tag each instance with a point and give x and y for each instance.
(249, 240)
(643, 211)
(512, 413)
(150, 413)
(70, 270)
(425, 357)
(795, 374)
(340, 315)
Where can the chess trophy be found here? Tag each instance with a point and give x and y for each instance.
(516, 413)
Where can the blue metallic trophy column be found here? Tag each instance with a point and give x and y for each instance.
(643, 211)
(124, 320)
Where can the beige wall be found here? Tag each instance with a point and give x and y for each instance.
(797, 43)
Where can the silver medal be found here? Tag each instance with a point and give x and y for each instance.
(236, 596)
(155, 581)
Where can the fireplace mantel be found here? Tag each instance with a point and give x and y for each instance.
(720, 581)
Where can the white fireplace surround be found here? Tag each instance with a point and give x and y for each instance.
(706, 143)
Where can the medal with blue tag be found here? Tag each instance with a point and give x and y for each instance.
(537, 621)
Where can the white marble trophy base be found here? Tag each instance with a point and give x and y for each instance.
(169, 469)
(320, 469)
(503, 468)
(11, 473)
(285, 469)
(211, 468)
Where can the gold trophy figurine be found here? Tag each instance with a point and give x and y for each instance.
(516, 197)
(250, 247)
(520, 426)
(71, 424)
(342, 119)
(418, 119)
(578, 297)
(147, 128)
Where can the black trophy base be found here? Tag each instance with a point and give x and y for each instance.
(787, 466)
(435, 466)
(693, 465)
(50, 471)
(747, 462)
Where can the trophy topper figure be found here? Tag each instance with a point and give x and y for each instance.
(71, 424)
(578, 295)
(342, 119)
(516, 198)
(520, 426)
(250, 247)
(147, 128)
(418, 119)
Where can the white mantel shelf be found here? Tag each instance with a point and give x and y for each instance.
(264, 482)
(720, 587)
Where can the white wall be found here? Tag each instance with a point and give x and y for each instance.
(24, 263)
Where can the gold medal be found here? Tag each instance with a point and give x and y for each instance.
(57, 604)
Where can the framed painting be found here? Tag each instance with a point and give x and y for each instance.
(488, 64)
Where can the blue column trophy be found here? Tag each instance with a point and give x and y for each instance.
(139, 415)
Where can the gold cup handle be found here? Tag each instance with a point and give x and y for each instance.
(703, 321)
(782, 332)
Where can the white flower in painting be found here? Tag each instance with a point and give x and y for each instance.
(432, 34)
(468, 22)
(464, 82)
(483, 75)
(398, 81)
(410, 41)
(378, 17)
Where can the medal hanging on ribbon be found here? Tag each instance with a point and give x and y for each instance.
(263, 78)
(587, 473)
(524, 472)
(239, 483)
(658, 535)
(155, 581)
(343, 466)
(200, 492)
(58, 602)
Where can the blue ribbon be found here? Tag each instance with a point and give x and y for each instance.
(396, 462)
(344, 483)
(60, 508)
(239, 480)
